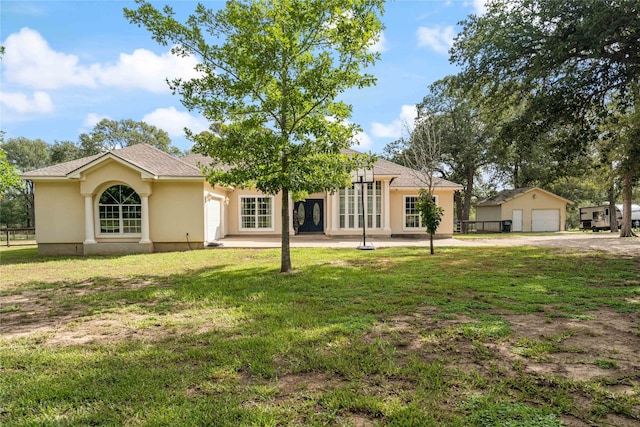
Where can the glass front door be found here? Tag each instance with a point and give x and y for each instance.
(310, 216)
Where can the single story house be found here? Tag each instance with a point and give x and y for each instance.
(140, 199)
(529, 209)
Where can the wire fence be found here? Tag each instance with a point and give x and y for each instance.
(17, 236)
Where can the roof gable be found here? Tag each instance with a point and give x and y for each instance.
(151, 162)
(404, 177)
(507, 195)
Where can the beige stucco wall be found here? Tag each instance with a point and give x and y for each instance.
(110, 172)
(175, 209)
(444, 199)
(59, 210)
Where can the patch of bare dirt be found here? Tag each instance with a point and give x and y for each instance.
(579, 344)
(306, 382)
(604, 346)
(58, 318)
(608, 336)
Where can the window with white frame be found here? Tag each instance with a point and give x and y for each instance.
(120, 211)
(256, 213)
(412, 217)
(350, 210)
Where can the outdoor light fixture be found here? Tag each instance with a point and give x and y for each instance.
(362, 177)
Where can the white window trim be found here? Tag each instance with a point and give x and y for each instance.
(404, 213)
(120, 235)
(357, 202)
(271, 201)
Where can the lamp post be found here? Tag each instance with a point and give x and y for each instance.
(363, 177)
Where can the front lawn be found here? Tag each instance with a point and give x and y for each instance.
(467, 337)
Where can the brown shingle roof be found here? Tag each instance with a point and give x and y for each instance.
(142, 156)
(61, 169)
(405, 177)
(161, 164)
(156, 161)
(506, 195)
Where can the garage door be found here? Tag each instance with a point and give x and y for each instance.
(545, 220)
(213, 220)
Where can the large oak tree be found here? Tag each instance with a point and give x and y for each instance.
(561, 63)
(109, 134)
(270, 73)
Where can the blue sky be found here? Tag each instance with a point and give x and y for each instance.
(68, 64)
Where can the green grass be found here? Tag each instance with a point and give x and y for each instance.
(389, 337)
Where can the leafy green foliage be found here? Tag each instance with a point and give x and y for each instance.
(9, 178)
(109, 134)
(553, 72)
(270, 73)
(25, 155)
(430, 212)
(464, 139)
(65, 151)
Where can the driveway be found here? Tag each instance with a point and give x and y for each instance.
(605, 242)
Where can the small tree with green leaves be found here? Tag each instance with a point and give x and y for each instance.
(430, 213)
(423, 154)
(271, 72)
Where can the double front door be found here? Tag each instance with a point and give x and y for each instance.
(309, 215)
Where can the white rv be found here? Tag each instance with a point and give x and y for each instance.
(635, 215)
(596, 218)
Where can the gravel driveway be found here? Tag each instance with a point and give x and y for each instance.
(588, 241)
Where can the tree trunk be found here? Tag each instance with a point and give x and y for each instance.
(613, 217)
(468, 193)
(457, 198)
(431, 243)
(627, 192)
(285, 252)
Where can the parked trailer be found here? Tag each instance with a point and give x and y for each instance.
(596, 218)
(635, 214)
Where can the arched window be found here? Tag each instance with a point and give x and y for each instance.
(120, 211)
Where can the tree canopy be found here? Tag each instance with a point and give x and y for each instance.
(9, 178)
(271, 73)
(109, 134)
(557, 65)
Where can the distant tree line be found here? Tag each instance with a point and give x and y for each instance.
(19, 155)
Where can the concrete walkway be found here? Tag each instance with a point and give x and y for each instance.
(605, 242)
(321, 241)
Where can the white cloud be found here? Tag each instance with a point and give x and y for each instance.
(379, 44)
(145, 70)
(21, 103)
(173, 121)
(363, 141)
(397, 127)
(480, 6)
(93, 119)
(30, 61)
(437, 38)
